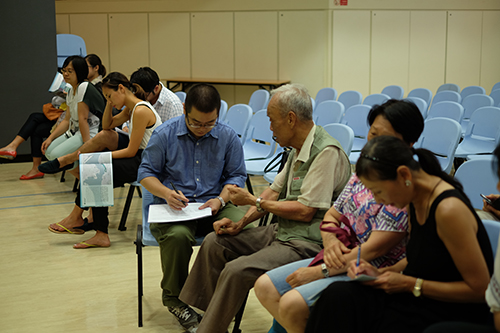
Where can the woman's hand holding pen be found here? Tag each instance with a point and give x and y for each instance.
(364, 268)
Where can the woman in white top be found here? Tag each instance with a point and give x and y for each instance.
(126, 151)
(85, 104)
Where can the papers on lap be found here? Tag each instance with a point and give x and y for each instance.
(58, 84)
(164, 214)
(364, 278)
(96, 180)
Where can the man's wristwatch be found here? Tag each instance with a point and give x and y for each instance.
(257, 204)
(222, 202)
(417, 289)
(324, 270)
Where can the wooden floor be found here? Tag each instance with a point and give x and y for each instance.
(47, 286)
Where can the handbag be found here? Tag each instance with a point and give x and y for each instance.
(50, 112)
(278, 160)
(346, 235)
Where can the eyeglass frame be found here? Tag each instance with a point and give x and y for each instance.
(203, 125)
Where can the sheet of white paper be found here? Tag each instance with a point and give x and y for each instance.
(164, 214)
(363, 278)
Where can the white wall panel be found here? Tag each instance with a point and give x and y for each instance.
(93, 28)
(351, 51)
(169, 44)
(390, 49)
(212, 45)
(490, 51)
(464, 48)
(128, 42)
(427, 49)
(303, 48)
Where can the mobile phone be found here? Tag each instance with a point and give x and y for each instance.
(493, 203)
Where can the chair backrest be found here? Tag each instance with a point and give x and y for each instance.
(449, 86)
(344, 135)
(493, 231)
(325, 94)
(259, 100)
(350, 98)
(394, 91)
(328, 112)
(420, 103)
(447, 109)
(238, 117)
(495, 94)
(223, 110)
(181, 95)
(447, 95)
(313, 102)
(475, 101)
(496, 86)
(147, 237)
(69, 45)
(376, 99)
(356, 118)
(422, 93)
(259, 141)
(477, 177)
(485, 123)
(472, 90)
(441, 136)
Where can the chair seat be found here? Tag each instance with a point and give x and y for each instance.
(255, 150)
(474, 146)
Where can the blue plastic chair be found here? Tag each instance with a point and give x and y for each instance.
(394, 91)
(493, 230)
(449, 87)
(355, 117)
(259, 100)
(313, 102)
(495, 94)
(482, 134)
(422, 93)
(69, 45)
(471, 103)
(447, 95)
(181, 95)
(238, 117)
(446, 109)
(350, 98)
(259, 143)
(420, 103)
(328, 112)
(470, 90)
(376, 99)
(223, 110)
(325, 94)
(344, 135)
(477, 177)
(441, 136)
(496, 86)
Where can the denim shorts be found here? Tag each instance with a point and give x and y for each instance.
(311, 291)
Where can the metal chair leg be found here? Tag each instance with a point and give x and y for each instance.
(239, 316)
(138, 250)
(126, 208)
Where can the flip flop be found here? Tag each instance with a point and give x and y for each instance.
(66, 230)
(87, 246)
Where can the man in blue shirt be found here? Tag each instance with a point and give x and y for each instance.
(201, 157)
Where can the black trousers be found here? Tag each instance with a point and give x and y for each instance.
(38, 127)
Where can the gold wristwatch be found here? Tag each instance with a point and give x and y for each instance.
(417, 289)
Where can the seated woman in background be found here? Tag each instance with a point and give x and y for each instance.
(448, 260)
(289, 291)
(38, 126)
(126, 152)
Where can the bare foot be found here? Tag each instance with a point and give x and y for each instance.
(8, 148)
(69, 222)
(100, 239)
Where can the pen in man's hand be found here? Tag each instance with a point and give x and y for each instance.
(175, 189)
(359, 256)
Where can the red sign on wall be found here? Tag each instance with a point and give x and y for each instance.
(343, 2)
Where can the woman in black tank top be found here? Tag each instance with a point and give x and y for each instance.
(449, 258)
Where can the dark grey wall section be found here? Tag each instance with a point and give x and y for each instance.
(27, 62)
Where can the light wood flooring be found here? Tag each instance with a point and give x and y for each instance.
(47, 286)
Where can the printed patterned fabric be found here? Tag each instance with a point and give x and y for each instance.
(356, 202)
